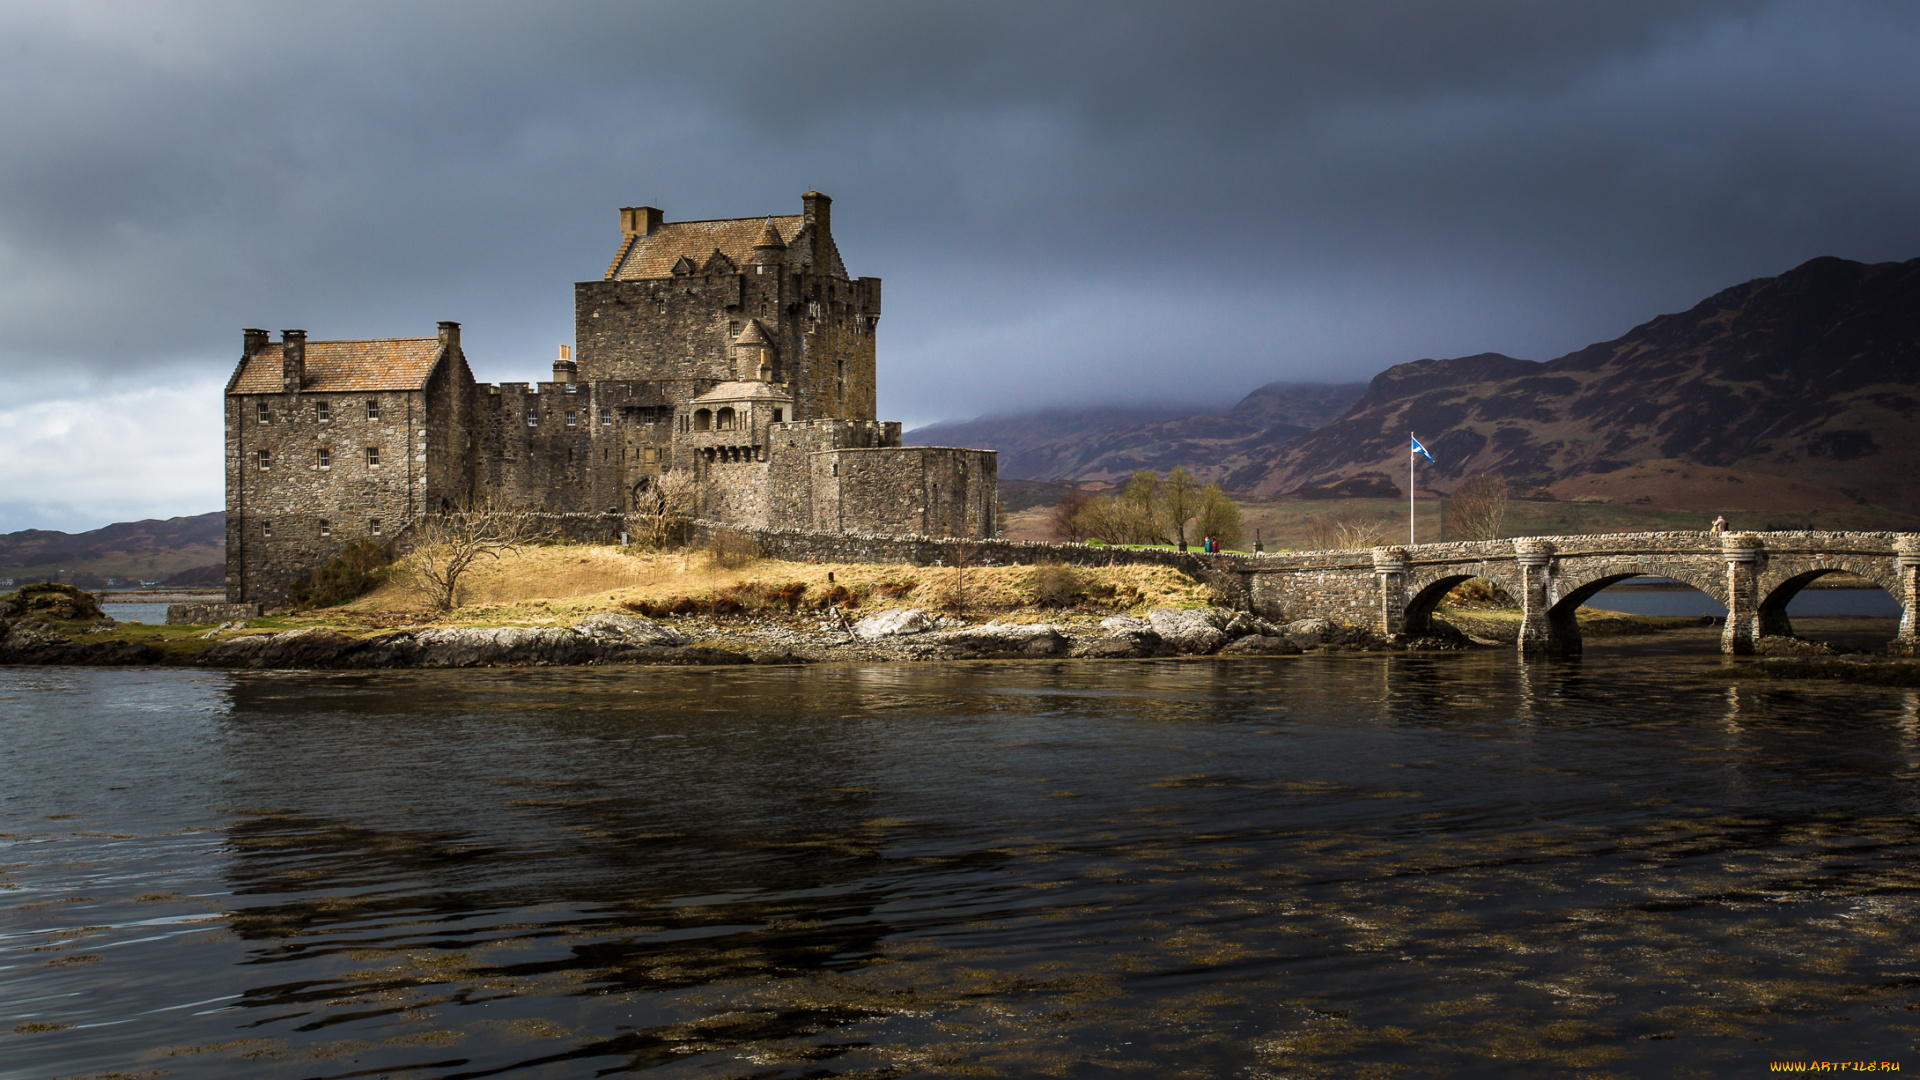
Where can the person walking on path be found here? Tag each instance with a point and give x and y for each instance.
(1720, 524)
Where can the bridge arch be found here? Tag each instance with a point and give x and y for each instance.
(1781, 581)
(1576, 584)
(1425, 591)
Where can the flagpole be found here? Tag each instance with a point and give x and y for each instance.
(1410, 460)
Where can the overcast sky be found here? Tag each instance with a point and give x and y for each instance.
(1070, 203)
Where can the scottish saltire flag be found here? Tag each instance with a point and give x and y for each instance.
(1418, 449)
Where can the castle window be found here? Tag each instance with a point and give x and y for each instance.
(266, 413)
(570, 418)
(264, 458)
(606, 417)
(323, 458)
(326, 527)
(533, 418)
(373, 456)
(733, 329)
(777, 413)
(723, 420)
(266, 530)
(702, 420)
(320, 411)
(373, 409)
(373, 527)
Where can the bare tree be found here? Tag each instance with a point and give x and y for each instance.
(663, 508)
(1064, 522)
(1219, 517)
(1477, 508)
(442, 547)
(1179, 501)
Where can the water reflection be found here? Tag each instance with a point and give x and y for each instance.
(1307, 867)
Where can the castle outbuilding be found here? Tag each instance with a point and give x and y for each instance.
(738, 350)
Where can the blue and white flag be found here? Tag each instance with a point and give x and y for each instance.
(1418, 449)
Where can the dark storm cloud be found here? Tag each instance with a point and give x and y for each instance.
(1068, 201)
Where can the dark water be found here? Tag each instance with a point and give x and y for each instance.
(1642, 600)
(1304, 867)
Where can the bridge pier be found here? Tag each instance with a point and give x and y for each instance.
(1907, 558)
(1390, 573)
(1540, 633)
(1745, 557)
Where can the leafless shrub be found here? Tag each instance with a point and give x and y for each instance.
(731, 549)
(662, 509)
(1326, 533)
(442, 547)
(953, 596)
(1477, 508)
(1054, 584)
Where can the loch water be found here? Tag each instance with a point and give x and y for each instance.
(1627, 864)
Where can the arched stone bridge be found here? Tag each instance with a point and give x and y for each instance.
(1754, 575)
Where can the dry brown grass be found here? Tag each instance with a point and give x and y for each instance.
(550, 585)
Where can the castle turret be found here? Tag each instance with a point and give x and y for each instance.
(769, 250)
(754, 353)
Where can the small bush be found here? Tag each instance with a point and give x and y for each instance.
(732, 550)
(727, 605)
(894, 590)
(56, 602)
(835, 596)
(1055, 585)
(1480, 591)
(359, 569)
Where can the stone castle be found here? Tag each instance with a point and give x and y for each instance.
(739, 350)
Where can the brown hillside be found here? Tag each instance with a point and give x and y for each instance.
(1811, 377)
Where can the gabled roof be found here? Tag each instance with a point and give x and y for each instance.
(374, 364)
(643, 257)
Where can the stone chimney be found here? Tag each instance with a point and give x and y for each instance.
(293, 360)
(819, 214)
(564, 369)
(255, 341)
(450, 336)
(640, 220)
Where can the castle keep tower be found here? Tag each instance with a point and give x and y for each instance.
(738, 350)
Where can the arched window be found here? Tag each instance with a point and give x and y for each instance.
(723, 420)
(702, 420)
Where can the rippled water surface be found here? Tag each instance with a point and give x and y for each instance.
(1304, 867)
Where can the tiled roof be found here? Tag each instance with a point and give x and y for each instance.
(744, 391)
(643, 257)
(378, 364)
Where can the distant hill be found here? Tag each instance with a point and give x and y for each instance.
(151, 550)
(1110, 443)
(1800, 389)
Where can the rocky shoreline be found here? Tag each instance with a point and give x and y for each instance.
(617, 638)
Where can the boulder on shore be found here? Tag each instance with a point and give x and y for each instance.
(614, 628)
(1198, 630)
(1261, 645)
(893, 624)
(1001, 639)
